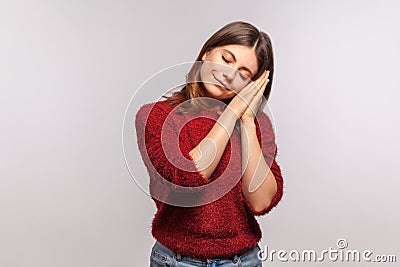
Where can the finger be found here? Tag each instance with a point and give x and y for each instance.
(256, 100)
(263, 83)
(267, 77)
(254, 86)
(263, 78)
(261, 90)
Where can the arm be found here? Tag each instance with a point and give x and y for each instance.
(208, 152)
(150, 123)
(259, 183)
(262, 182)
(278, 196)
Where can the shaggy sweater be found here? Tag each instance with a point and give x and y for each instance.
(224, 227)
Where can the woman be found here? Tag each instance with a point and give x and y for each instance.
(216, 123)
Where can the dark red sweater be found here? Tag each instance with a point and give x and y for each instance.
(223, 227)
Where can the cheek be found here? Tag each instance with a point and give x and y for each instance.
(205, 70)
(216, 63)
(238, 84)
(208, 67)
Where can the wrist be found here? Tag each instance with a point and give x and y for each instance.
(247, 123)
(232, 113)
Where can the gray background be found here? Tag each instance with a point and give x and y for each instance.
(68, 70)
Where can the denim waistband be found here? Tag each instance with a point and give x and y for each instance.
(162, 248)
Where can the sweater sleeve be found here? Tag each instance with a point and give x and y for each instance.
(266, 138)
(157, 135)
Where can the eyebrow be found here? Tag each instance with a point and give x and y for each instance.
(234, 58)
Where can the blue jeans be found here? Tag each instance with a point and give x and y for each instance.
(161, 256)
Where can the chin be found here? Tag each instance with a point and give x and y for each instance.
(218, 92)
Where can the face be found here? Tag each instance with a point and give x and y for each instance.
(227, 69)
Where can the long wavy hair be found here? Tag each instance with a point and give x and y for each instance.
(234, 33)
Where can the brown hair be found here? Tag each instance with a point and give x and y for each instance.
(240, 33)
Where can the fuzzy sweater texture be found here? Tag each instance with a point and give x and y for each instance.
(224, 227)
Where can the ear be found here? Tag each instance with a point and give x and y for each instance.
(205, 55)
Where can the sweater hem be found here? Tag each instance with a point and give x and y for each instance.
(208, 248)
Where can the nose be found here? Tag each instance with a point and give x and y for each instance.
(229, 73)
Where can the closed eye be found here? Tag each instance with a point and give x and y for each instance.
(242, 76)
(225, 59)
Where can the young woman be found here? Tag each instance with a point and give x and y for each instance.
(213, 132)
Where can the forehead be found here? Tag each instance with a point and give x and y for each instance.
(245, 55)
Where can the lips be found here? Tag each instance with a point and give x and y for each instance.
(221, 83)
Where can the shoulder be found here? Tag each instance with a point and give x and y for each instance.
(159, 106)
(154, 109)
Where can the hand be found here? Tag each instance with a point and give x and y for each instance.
(249, 114)
(242, 101)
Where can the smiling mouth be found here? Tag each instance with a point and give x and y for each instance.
(220, 84)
